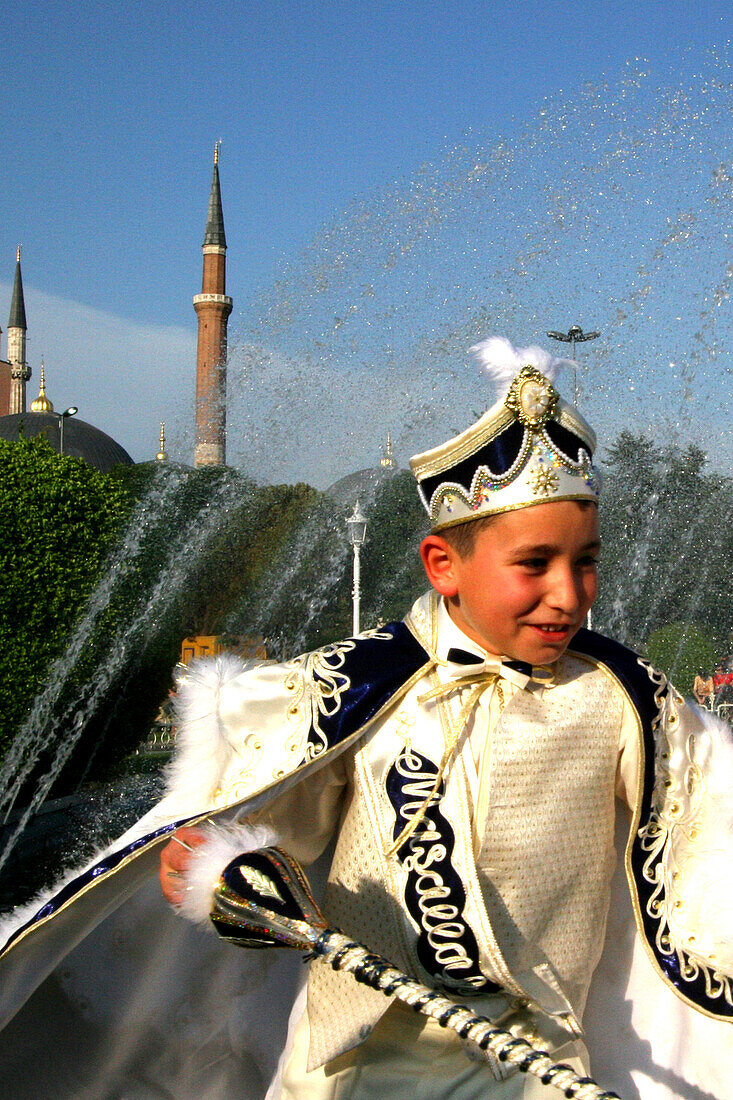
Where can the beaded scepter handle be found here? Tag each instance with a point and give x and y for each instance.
(263, 900)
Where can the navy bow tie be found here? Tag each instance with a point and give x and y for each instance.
(464, 657)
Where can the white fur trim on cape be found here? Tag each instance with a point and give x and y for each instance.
(202, 750)
(702, 856)
(208, 860)
(503, 362)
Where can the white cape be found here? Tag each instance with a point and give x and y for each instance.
(119, 998)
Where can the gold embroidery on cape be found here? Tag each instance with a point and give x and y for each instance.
(675, 804)
(315, 684)
(318, 683)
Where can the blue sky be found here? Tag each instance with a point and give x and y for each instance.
(346, 126)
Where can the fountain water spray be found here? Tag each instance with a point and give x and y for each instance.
(629, 234)
(367, 331)
(43, 726)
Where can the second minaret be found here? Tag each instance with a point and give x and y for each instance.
(20, 372)
(213, 307)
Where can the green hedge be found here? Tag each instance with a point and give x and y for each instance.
(682, 650)
(58, 520)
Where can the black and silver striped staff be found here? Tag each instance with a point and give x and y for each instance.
(263, 900)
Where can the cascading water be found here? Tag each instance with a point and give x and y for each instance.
(45, 728)
(610, 209)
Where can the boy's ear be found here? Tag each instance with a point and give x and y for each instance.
(439, 560)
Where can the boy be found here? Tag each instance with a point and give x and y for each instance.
(466, 762)
(474, 808)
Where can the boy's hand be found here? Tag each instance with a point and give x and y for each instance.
(174, 860)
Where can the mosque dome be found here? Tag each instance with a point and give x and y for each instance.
(81, 440)
(364, 484)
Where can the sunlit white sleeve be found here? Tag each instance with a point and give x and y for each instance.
(304, 818)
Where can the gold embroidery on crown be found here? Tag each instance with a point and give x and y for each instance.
(532, 398)
(544, 483)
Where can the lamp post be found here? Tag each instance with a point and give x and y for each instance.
(61, 417)
(573, 336)
(356, 526)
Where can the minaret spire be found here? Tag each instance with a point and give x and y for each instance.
(387, 458)
(214, 233)
(42, 403)
(20, 372)
(213, 307)
(162, 455)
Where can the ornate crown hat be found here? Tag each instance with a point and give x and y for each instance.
(531, 447)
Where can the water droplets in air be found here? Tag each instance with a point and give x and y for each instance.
(610, 208)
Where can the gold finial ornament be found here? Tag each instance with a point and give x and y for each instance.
(42, 403)
(216, 151)
(162, 455)
(532, 398)
(388, 457)
(17, 254)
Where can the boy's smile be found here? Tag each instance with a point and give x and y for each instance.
(528, 584)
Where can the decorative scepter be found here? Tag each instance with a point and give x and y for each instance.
(263, 900)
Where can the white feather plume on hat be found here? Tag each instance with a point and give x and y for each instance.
(503, 362)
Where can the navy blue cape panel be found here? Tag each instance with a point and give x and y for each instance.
(641, 689)
(377, 667)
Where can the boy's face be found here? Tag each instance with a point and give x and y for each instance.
(529, 583)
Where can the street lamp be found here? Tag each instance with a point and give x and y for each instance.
(356, 526)
(61, 417)
(573, 336)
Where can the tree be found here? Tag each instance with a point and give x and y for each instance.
(304, 599)
(667, 545)
(210, 535)
(392, 573)
(681, 650)
(104, 575)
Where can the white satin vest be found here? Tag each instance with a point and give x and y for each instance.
(535, 894)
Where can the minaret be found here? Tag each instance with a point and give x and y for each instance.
(388, 458)
(20, 372)
(213, 307)
(162, 455)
